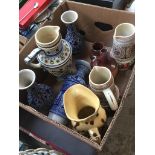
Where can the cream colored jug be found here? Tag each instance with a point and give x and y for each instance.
(123, 49)
(102, 83)
(83, 108)
(53, 53)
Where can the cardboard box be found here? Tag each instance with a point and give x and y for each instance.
(115, 4)
(98, 24)
(22, 42)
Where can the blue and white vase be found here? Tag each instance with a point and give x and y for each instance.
(57, 112)
(39, 96)
(72, 36)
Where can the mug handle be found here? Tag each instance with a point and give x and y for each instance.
(111, 99)
(95, 135)
(28, 60)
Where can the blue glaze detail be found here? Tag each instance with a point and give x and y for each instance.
(39, 96)
(75, 39)
(83, 68)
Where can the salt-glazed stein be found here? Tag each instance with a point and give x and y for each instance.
(123, 49)
(53, 53)
(102, 83)
(83, 108)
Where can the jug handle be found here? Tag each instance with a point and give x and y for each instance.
(28, 60)
(111, 99)
(95, 135)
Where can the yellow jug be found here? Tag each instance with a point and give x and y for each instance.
(83, 108)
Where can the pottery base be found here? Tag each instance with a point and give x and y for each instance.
(57, 118)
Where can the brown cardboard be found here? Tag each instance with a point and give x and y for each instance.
(22, 42)
(39, 123)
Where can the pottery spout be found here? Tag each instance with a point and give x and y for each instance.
(83, 108)
(124, 31)
(79, 97)
(56, 29)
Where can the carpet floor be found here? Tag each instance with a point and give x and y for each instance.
(121, 141)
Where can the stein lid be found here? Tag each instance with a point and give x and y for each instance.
(58, 59)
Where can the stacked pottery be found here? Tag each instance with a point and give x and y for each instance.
(39, 96)
(102, 83)
(57, 112)
(123, 49)
(75, 39)
(54, 54)
(100, 57)
(83, 108)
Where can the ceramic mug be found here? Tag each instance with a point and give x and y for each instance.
(123, 49)
(26, 79)
(53, 53)
(101, 81)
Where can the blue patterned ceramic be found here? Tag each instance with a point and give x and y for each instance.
(23, 146)
(72, 36)
(54, 54)
(57, 112)
(39, 96)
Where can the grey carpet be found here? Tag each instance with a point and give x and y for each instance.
(121, 141)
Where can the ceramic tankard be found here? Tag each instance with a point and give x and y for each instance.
(53, 53)
(83, 108)
(101, 82)
(123, 49)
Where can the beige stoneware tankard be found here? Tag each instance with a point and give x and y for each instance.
(101, 82)
(123, 49)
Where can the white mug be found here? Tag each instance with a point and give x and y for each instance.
(102, 81)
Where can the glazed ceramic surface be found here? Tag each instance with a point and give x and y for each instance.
(98, 55)
(123, 49)
(83, 108)
(39, 96)
(101, 82)
(101, 57)
(57, 112)
(40, 151)
(75, 39)
(54, 54)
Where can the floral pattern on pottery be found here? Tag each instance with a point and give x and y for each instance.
(75, 39)
(57, 108)
(57, 59)
(54, 54)
(39, 96)
(66, 68)
(123, 49)
(120, 52)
